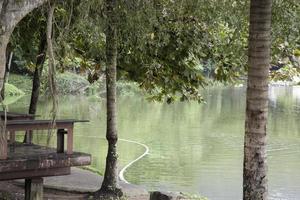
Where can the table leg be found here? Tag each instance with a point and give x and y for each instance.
(28, 137)
(3, 146)
(34, 189)
(12, 137)
(27, 189)
(60, 140)
(12, 140)
(70, 141)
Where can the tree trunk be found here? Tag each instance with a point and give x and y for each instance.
(11, 13)
(36, 82)
(9, 55)
(51, 60)
(255, 163)
(110, 182)
(4, 38)
(37, 74)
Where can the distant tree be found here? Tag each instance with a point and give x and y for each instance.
(255, 158)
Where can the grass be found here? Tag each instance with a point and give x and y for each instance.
(193, 197)
(11, 90)
(91, 169)
(12, 94)
(21, 82)
(70, 83)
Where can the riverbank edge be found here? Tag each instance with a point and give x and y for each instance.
(76, 187)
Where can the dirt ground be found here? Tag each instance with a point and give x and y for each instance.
(10, 191)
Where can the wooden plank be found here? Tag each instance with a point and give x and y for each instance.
(16, 116)
(43, 126)
(27, 174)
(52, 161)
(49, 122)
(35, 157)
(70, 141)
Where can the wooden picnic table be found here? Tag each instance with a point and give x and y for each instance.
(63, 126)
(33, 162)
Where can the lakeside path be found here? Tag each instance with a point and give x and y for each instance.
(78, 185)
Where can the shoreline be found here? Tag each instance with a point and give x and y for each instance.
(81, 184)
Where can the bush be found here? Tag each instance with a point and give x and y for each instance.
(127, 88)
(68, 83)
(22, 82)
(11, 90)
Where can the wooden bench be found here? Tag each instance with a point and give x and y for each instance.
(63, 127)
(33, 162)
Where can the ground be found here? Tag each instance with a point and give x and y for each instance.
(77, 186)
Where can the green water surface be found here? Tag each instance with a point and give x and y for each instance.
(195, 148)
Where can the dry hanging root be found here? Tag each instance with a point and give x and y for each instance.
(51, 68)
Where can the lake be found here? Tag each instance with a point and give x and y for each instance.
(194, 148)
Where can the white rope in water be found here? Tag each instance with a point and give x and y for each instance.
(123, 170)
(121, 174)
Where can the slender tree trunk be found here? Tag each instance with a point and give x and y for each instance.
(4, 38)
(9, 55)
(51, 59)
(8, 66)
(255, 163)
(36, 81)
(110, 182)
(37, 74)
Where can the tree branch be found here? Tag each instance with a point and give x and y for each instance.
(16, 10)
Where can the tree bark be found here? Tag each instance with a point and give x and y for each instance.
(255, 163)
(36, 81)
(37, 74)
(110, 182)
(9, 55)
(51, 60)
(4, 39)
(11, 13)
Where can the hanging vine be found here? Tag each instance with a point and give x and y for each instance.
(51, 68)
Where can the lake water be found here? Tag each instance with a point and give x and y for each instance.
(194, 148)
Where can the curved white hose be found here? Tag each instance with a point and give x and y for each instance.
(121, 173)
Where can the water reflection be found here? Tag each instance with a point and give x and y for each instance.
(195, 148)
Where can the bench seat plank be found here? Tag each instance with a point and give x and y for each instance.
(36, 158)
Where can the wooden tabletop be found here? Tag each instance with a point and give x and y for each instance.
(66, 125)
(43, 121)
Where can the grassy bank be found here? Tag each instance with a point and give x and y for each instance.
(70, 84)
(21, 82)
